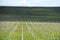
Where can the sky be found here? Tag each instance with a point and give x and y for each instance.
(29, 3)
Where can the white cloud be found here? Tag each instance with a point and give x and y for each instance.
(30, 3)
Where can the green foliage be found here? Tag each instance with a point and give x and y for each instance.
(31, 31)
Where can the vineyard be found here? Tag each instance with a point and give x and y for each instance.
(29, 31)
(29, 23)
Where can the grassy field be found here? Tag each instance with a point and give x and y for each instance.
(29, 31)
(29, 23)
(40, 14)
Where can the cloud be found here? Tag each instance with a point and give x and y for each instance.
(30, 3)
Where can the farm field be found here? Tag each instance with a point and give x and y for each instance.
(29, 31)
(29, 23)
